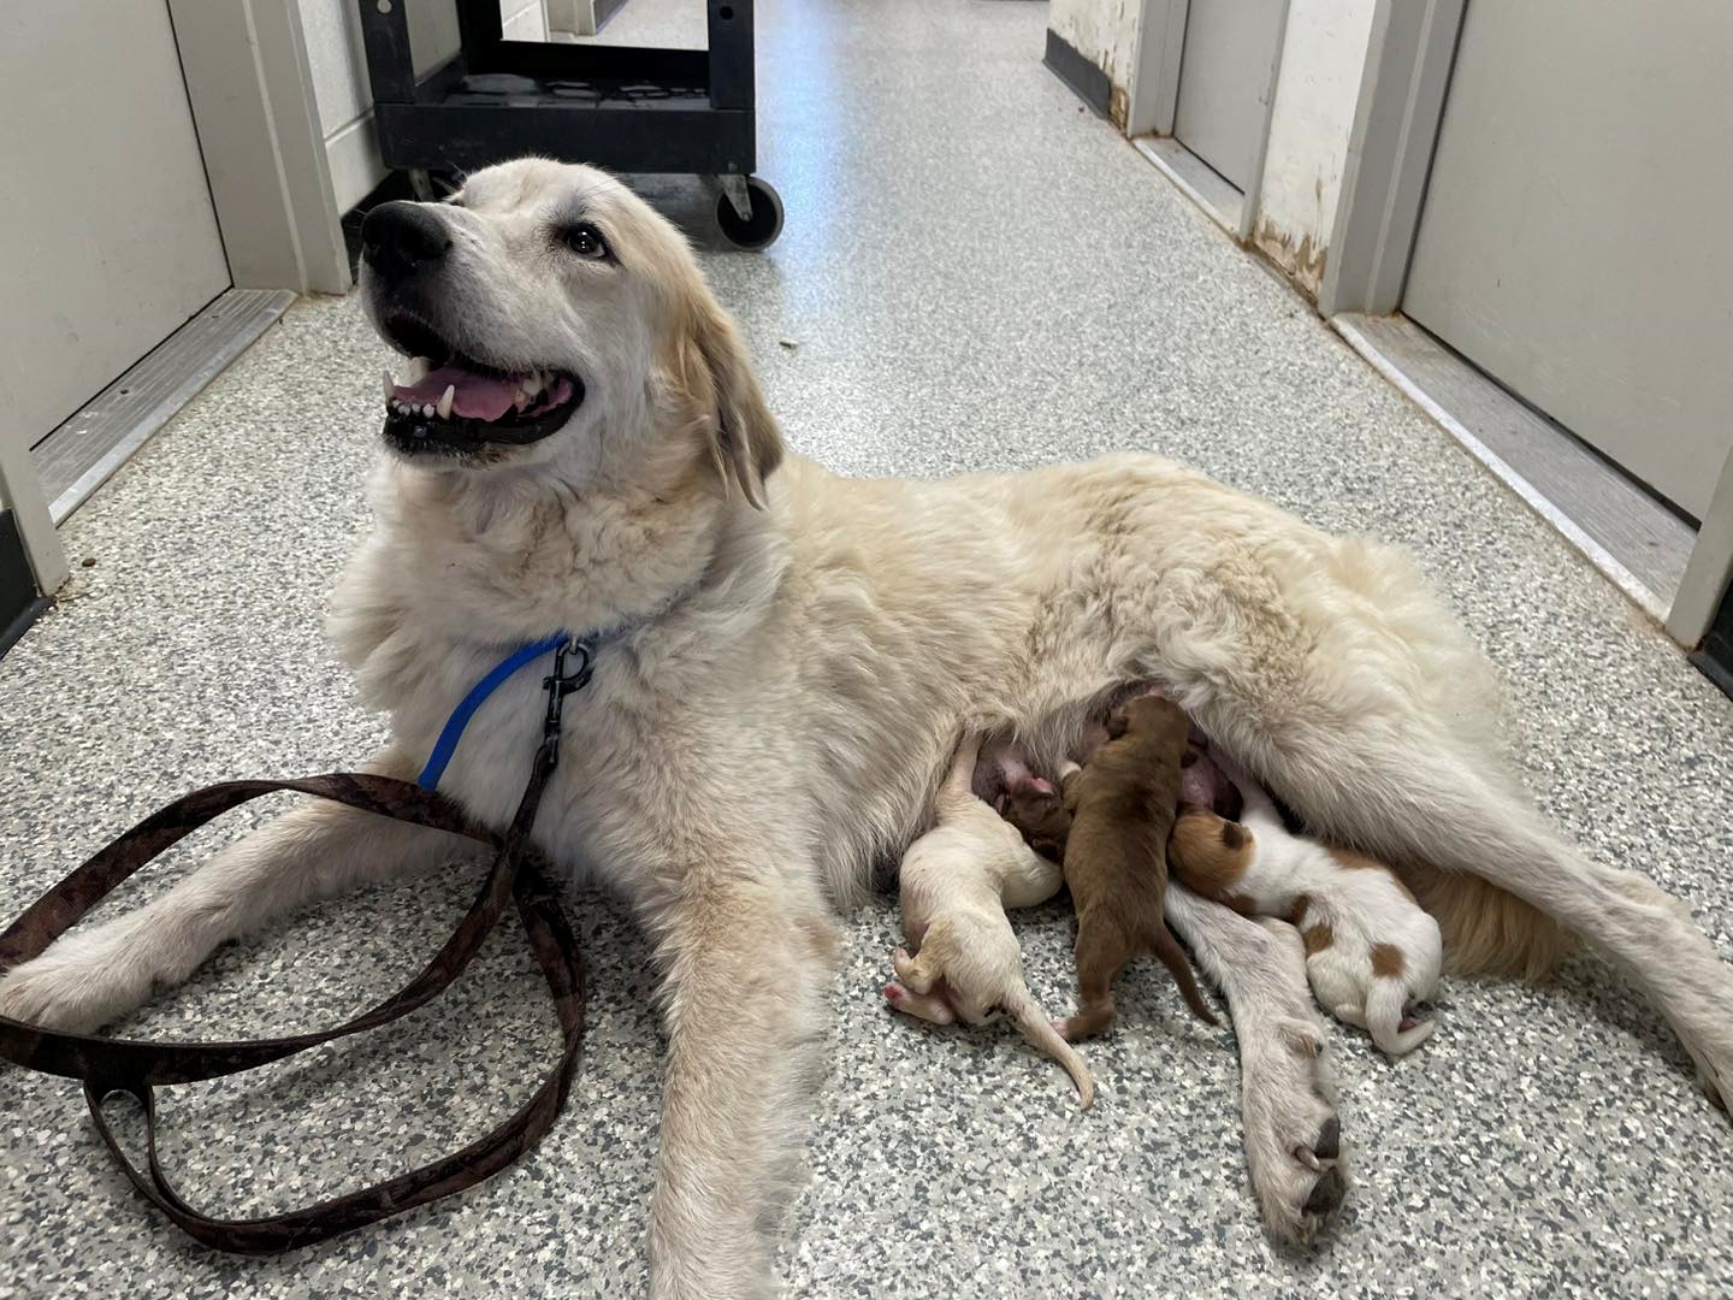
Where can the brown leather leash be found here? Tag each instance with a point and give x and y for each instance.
(136, 1067)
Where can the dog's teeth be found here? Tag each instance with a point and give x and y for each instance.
(390, 385)
(427, 410)
(444, 407)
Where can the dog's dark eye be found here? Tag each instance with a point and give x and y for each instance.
(585, 240)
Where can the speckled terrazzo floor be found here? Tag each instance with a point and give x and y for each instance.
(975, 275)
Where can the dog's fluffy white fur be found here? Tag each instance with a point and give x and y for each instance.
(802, 652)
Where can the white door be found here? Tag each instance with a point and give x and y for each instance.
(108, 243)
(1571, 244)
(1224, 73)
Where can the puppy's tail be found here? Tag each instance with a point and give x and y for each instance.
(1034, 1025)
(957, 790)
(1386, 1007)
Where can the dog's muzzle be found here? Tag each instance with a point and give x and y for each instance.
(448, 401)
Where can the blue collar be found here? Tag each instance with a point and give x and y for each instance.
(503, 671)
(559, 645)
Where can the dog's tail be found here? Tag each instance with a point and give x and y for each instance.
(1386, 1012)
(1034, 1025)
(1488, 930)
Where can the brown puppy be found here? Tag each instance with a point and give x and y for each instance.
(1120, 810)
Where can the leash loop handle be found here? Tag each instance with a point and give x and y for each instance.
(136, 1067)
(555, 950)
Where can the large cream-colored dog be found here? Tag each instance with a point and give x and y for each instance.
(587, 449)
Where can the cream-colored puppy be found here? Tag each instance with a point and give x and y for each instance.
(955, 885)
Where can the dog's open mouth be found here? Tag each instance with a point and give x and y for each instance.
(446, 402)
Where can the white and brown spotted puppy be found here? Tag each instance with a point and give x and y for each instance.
(1371, 949)
(955, 884)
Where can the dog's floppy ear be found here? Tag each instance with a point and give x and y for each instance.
(745, 444)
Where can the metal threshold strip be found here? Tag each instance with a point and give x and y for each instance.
(1633, 539)
(78, 457)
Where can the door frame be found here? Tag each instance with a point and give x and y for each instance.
(1708, 576)
(251, 93)
(1154, 95)
(22, 495)
(1409, 61)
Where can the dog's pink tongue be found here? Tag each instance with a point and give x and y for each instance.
(478, 397)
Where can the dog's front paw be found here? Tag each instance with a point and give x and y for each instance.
(1293, 1136)
(78, 985)
(44, 995)
(1710, 1043)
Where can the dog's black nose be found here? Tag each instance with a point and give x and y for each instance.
(397, 238)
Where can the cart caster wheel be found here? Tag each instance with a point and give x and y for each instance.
(761, 228)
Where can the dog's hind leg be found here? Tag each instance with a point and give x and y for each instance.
(1101, 955)
(1411, 793)
(928, 1006)
(312, 852)
(1293, 1139)
(921, 972)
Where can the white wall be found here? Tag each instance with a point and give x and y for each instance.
(1323, 59)
(1318, 87)
(1105, 33)
(338, 62)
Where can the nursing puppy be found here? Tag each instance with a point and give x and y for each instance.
(1370, 948)
(957, 880)
(1122, 809)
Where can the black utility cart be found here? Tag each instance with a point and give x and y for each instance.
(627, 109)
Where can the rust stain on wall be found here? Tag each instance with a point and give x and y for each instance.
(1302, 262)
(1119, 107)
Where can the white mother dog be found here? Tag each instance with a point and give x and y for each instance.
(795, 656)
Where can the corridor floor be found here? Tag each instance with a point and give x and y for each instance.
(975, 274)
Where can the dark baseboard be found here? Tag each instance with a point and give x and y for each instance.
(20, 602)
(14, 631)
(1068, 64)
(1714, 659)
